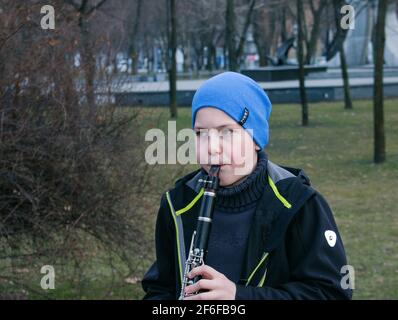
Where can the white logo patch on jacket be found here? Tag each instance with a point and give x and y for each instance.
(331, 237)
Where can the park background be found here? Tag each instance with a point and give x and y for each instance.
(82, 81)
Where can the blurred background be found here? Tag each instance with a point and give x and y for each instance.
(82, 81)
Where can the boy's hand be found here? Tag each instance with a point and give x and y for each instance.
(217, 286)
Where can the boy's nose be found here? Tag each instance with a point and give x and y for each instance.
(214, 144)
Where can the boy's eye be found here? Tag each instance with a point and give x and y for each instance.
(202, 133)
(226, 132)
(222, 133)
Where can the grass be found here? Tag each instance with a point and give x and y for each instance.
(336, 151)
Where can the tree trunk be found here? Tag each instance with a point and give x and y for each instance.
(88, 62)
(300, 58)
(187, 58)
(199, 59)
(246, 26)
(378, 107)
(114, 62)
(230, 36)
(260, 39)
(260, 44)
(133, 54)
(317, 15)
(211, 52)
(346, 81)
(343, 63)
(134, 58)
(173, 62)
(283, 25)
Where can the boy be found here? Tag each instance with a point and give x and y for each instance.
(272, 237)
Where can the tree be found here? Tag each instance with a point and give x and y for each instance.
(230, 20)
(343, 63)
(378, 107)
(84, 11)
(246, 25)
(300, 58)
(67, 188)
(235, 51)
(264, 30)
(135, 22)
(201, 25)
(172, 58)
(317, 14)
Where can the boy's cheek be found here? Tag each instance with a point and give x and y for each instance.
(199, 152)
(227, 157)
(202, 156)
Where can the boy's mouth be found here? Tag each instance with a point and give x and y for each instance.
(222, 167)
(217, 164)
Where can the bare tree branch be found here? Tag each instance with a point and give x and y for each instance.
(96, 7)
(9, 36)
(245, 28)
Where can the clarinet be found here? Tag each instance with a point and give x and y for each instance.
(200, 237)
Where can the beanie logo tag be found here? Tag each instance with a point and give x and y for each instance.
(243, 120)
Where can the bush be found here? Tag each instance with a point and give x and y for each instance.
(70, 171)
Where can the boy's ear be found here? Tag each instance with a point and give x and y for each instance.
(257, 148)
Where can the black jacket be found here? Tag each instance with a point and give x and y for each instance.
(291, 252)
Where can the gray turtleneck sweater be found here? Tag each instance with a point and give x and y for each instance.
(234, 210)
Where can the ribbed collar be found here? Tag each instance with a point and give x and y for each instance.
(247, 192)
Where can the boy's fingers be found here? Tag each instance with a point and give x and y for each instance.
(204, 271)
(202, 284)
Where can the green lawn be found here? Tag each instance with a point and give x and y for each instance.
(336, 151)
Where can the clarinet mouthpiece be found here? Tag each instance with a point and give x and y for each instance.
(214, 170)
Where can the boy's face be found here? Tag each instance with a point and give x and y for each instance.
(222, 141)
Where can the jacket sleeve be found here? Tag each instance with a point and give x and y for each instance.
(159, 281)
(315, 261)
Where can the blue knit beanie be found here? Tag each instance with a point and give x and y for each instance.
(241, 98)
